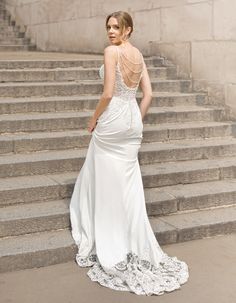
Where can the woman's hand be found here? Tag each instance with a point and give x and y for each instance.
(92, 124)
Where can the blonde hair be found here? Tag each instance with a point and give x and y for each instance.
(124, 20)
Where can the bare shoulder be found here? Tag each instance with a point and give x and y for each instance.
(110, 54)
(110, 50)
(137, 50)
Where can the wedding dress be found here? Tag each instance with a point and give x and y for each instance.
(108, 215)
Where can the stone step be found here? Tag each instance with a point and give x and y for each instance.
(3, 22)
(78, 120)
(3, 12)
(185, 150)
(46, 162)
(194, 225)
(183, 114)
(155, 174)
(35, 217)
(14, 41)
(75, 103)
(53, 247)
(80, 87)
(6, 34)
(52, 215)
(159, 201)
(30, 142)
(28, 47)
(190, 171)
(38, 188)
(185, 197)
(186, 130)
(8, 28)
(36, 250)
(71, 74)
(62, 63)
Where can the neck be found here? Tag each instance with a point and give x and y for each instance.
(124, 43)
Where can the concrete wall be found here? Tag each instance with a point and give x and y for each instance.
(198, 35)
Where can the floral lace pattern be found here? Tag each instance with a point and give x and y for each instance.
(121, 89)
(138, 275)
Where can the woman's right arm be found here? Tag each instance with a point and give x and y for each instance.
(145, 85)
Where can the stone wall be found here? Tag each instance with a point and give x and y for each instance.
(198, 35)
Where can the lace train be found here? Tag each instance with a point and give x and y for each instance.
(138, 275)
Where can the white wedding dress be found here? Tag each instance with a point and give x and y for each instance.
(108, 215)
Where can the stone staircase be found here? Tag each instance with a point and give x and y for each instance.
(188, 156)
(11, 38)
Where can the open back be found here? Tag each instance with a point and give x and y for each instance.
(130, 63)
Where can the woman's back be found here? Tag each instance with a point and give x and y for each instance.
(130, 63)
(129, 69)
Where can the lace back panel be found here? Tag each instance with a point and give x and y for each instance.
(128, 73)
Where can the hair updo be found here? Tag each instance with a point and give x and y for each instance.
(124, 20)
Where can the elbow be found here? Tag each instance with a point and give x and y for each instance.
(148, 95)
(107, 97)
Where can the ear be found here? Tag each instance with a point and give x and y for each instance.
(128, 30)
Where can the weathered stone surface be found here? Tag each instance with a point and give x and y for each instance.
(204, 223)
(80, 102)
(177, 52)
(35, 217)
(225, 23)
(231, 93)
(36, 250)
(68, 139)
(79, 87)
(194, 19)
(20, 190)
(70, 74)
(172, 173)
(141, 26)
(78, 120)
(214, 61)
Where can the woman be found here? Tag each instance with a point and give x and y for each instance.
(107, 210)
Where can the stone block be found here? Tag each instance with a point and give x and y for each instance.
(159, 178)
(59, 141)
(231, 97)
(187, 22)
(224, 20)
(23, 13)
(164, 232)
(205, 223)
(159, 202)
(36, 250)
(214, 61)
(42, 36)
(44, 124)
(39, 14)
(147, 22)
(35, 217)
(214, 90)
(80, 35)
(178, 52)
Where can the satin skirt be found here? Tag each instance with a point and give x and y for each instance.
(108, 214)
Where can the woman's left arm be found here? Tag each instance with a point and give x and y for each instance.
(110, 61)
